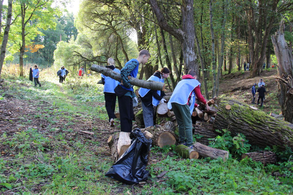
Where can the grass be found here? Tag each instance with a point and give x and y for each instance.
(43, 151)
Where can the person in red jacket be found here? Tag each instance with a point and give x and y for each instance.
(81, 71)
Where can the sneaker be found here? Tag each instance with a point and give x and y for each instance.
(112, 123)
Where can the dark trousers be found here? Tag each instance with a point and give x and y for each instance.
(36, 80)
(261, 100)
(126, 113)
(61, 79)
(253, 99)
(110, 101)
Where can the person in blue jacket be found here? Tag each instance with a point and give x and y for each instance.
(182, 102)
(110, 96)
(62, 74)
(151, 98)
(126, 94)
(36, 73)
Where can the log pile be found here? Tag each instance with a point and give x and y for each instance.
(264, 157)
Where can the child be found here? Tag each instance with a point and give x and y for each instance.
(151, 98)
(125, 94)
(36, 73)
(182, 102)
(253, 91)
(110, 96)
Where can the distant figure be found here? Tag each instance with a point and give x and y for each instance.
(66, 73)
(264, 66)
(247, 66)
(253, 91)
(31, 75)
(36, 73)
(80, 72)
(244, 66)
(89, 73)
(260, 83)
(62, 74)
(261, 94)
(110, 96)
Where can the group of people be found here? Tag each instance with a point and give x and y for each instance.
(261, 92)
(182, 101)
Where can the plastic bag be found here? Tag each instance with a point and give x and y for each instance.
(130, 167)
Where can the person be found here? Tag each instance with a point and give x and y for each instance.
(66, 73)
(125, 94)
(36, 73)
(261, 83)
(89, 73)
(253, 91)
(62, 74)
(244, 66)
(247, 66)
(151, 98)
(80, 72)
(31, 74)
(182, 102)
(109, 93)
(261, 94)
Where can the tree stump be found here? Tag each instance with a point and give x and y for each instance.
(207, 151)
(186, 152)
(161, 137)
(264, 157)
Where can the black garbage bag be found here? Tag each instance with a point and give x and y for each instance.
(130, 167)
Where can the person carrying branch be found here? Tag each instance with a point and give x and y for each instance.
(125, 94)
(110, 96)
(182, 102)
(151, 98)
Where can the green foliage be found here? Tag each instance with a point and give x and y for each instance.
(236, 145)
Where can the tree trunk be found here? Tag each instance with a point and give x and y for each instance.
(207, 151)
(134, 81)
(264, 157)
(185, 34)
(6, 33)
(22, 48)
(259, 128)
(285, 73)
(213, 50)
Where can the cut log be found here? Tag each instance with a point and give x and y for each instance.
(134, 81)
(206, 116)
(264, 157)
(161, 137)
(112, 143)
(199, 113)
(194, 114)
(124, 142)
(169, 126)
(207, 151)
(170, 114)
(211, 102)
(211, 111)
(186, 152)
(258, 127)
(228, 107)
(162, 109)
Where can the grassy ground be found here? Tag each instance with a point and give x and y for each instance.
(44, 151)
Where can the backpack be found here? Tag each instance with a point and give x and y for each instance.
(59, 73)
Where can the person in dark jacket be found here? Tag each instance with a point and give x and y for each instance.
(31, 75)
(110, 96)
(125, 94)
(182, 102)
(151, 98)
(261, 94)
(253, 91)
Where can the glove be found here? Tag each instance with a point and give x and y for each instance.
(135, 101)
(163, 100)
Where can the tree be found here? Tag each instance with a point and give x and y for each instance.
(34, 15)
(185, 34)
(285, 73)
(6, 33)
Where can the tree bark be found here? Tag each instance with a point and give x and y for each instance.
(5, 37)
(213, 50)
(285, 73)
(134, 81)
(259, 128)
